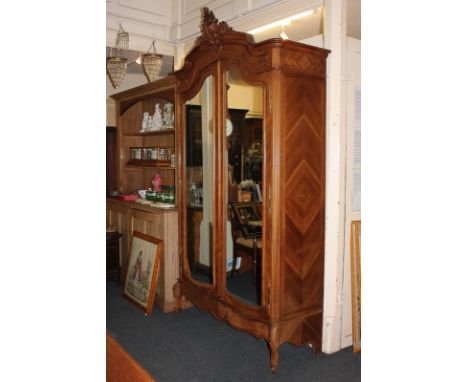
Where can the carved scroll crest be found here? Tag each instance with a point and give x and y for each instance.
(212, 31)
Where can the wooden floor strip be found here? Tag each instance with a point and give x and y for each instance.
(121, 366)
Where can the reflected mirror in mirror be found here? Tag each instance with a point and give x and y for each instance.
(244, 145)
(199, 172)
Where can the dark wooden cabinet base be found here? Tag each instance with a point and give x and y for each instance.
(112, 256)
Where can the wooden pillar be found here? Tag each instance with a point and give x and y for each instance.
(335, 40)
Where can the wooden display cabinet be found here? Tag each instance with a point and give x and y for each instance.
(134, 174)
(162, 224)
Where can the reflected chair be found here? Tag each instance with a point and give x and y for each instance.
(246, 227)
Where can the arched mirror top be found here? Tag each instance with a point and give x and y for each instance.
(218, 42)
(196, 83)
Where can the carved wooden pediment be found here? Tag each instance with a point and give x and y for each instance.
(212, 30)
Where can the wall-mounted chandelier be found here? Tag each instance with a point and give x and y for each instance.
(152, 63)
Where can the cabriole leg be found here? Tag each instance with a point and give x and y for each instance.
(273, 357)
(273, 345)
(178, 297)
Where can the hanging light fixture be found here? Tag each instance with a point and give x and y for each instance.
(152, 63)
(116, 65)
(116, 69)
(122, 39)
(138, 60)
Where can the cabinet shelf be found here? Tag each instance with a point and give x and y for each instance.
(136, 168)
(149, 133)
(150, 163)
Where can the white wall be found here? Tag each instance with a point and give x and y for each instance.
(353, 82)
(314, 41)
(131, 80)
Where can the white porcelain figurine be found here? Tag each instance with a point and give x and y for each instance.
(144, 123)
(150, 123)
(169, 115)
(157, 118)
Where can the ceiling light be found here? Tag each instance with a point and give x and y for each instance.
(285, 21)
(122, 38)
(116, 64)
(283, 34)
(116, 69)
(138, 60)
(152, 64)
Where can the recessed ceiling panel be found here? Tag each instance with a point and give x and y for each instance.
(161, 8)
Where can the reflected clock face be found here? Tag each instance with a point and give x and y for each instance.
(229, 127)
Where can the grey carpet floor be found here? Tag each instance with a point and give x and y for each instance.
(195, 347)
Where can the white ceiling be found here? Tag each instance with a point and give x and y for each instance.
(299, 29)
(172, 20)
(312, 25)
(123, 11)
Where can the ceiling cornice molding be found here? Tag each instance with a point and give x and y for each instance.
(127, 19)
(245, 21)
(144, 14)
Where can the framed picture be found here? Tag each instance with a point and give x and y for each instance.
(356, 282)
(142, 270)
(246, 213)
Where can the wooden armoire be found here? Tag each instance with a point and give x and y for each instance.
(290, 77)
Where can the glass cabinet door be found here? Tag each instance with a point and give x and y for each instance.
(199, 180)
(244, 156)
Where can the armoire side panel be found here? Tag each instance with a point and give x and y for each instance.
(302, 259)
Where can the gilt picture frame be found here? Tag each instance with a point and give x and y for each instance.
(356, 283)
(142, 271)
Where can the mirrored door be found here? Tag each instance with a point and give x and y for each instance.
(244, 146)
(199, 176)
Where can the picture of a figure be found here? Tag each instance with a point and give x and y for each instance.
(137, 267)
(142, 269)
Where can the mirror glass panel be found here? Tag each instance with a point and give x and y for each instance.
(244, 145)
(199, 172)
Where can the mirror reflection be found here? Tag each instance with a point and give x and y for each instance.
(244, 135)
(199, 170)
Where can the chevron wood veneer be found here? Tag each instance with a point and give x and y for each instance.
(293, 79)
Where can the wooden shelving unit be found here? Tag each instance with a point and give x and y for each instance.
(135, 174)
